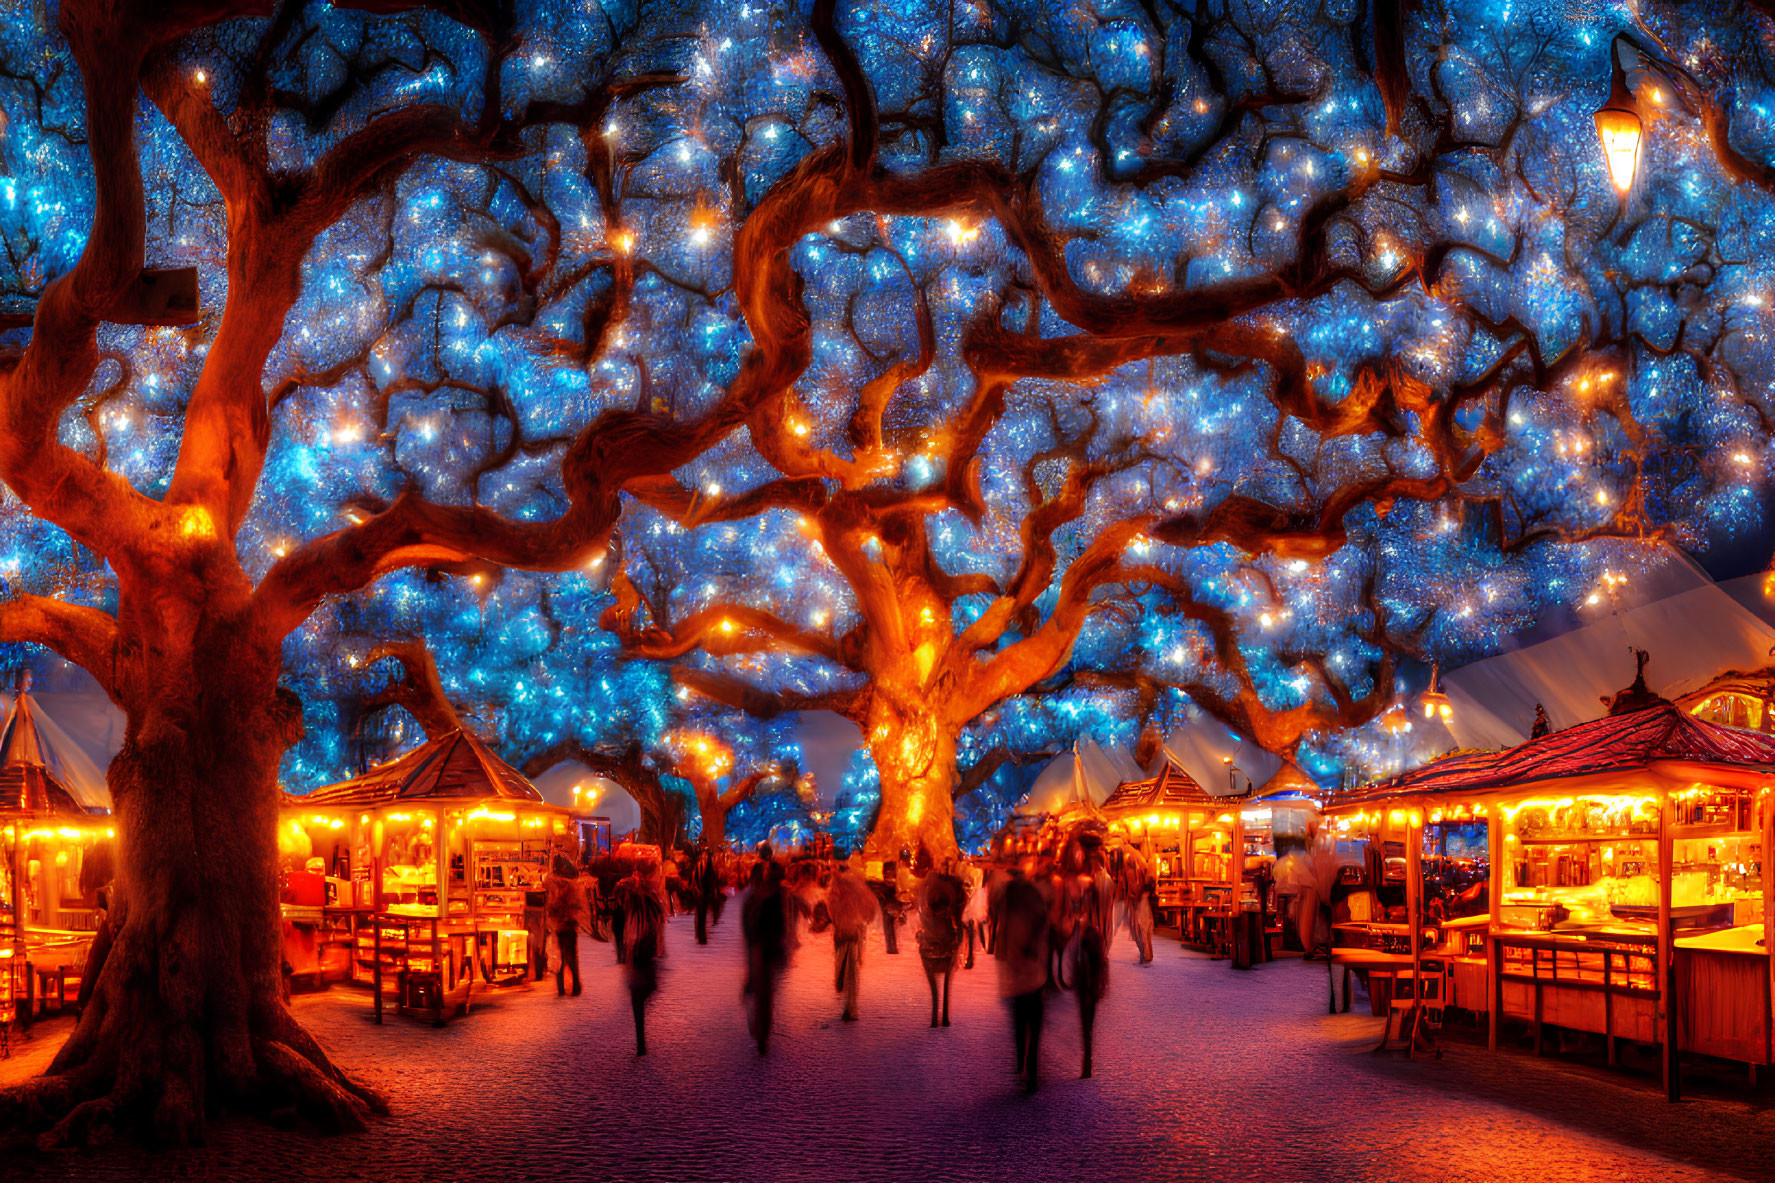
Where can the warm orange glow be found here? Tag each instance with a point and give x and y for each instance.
(1621, 133)
(196, 522)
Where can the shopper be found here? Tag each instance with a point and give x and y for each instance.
(1021, 946)
(641, 902)
(975, 917)
(1138, 887)
(1090, 964)
(706, 883)
(941, 900)
(851, 908)
(764, 922)
(566, 913)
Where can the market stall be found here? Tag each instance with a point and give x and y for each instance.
(1194, 843)
(1603, 879)
(417, 877)
(58, 835)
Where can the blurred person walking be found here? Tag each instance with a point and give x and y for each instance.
(705, 879)
(641, 902)
(941, 900)
(764, 922)
(851, 907)
(1089, 959)
(1020, 943)
(566, 912)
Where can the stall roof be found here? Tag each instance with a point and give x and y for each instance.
(42, 771)
(454, 766)
(1614, 743)
(1172, 788)
(1289, 782)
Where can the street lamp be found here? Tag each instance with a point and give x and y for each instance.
(1435, 702)
(1619, 126)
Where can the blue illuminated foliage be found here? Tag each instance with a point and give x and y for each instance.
(1455, 378)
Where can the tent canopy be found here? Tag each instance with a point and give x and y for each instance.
(1614, 743)
(1202, 747)
(453, 767)
(1086, 775)
(1692, 627)
(42, 770)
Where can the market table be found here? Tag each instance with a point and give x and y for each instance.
(1372, 962)
(52, 956)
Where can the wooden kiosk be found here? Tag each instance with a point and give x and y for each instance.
(56, 828)
(426, 866)
(1194, 843)
(1622, 878)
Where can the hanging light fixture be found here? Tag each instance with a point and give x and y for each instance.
(1436, 703)
(1619, 126)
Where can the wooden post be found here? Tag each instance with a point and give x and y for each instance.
(1494, 956)
(441, 856)
(1414, 920)
(1768, 807)
(1667, 954)
(376, 966)
(19, 967)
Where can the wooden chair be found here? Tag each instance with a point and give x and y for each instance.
(1417, 1003)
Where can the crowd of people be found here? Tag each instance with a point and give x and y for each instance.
(1045, 918)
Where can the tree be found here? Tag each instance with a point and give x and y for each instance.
(1181, 309)
(191, 573)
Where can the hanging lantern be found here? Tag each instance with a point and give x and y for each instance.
(1620, 128)
(1436, 703)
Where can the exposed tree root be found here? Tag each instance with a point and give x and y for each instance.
(83, 1102)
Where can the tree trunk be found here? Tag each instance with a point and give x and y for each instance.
(662, 812)
(714, 815)
(915, 755)
(187, 1013)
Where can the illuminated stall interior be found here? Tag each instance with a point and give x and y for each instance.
(1735, 700)
(447, 832)
(1620, 848)
(1192, 840)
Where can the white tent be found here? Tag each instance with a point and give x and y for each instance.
(29, 736)
(1088, 772)
(1693, 628)
(1202, 748)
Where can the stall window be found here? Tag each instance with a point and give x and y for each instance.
(1731, 709)
(1456, 869)
(1717, 850)
(1581, 860)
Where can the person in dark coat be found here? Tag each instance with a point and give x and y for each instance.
(1090, 960)
(641, 902)
(611, 871)
(566, 915)
(764, 922)
(705, 877)
(1020, 945)
(941, 899)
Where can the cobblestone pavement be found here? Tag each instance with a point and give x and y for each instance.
(1202, 1073)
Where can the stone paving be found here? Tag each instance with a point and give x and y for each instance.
(1202, 1073)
